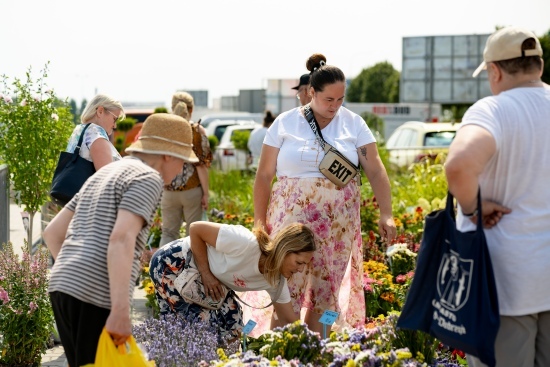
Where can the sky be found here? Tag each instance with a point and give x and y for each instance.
(143, 51)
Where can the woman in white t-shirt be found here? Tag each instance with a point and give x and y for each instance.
(238, 258)
(333, 280)
(102, 114)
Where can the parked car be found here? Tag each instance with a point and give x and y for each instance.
(415, 141)
(206, 120)
(226, 157)
(218, 127)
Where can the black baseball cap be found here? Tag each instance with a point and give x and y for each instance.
(304, 80)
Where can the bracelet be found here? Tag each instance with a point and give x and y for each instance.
(469, 215)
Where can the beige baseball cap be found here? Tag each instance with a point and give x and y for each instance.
(505, 44)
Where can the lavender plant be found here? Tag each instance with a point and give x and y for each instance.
(26, 316)
(175, 342)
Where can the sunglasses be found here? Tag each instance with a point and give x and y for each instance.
(115, 116)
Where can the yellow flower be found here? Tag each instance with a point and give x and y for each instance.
(350, 363)
(149, 289)
(401, 354)
(146, 269)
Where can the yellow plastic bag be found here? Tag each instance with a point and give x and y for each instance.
(125, 355)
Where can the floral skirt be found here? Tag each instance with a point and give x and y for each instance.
(333, 279)
(166, 264)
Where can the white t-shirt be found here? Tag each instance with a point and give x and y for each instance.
(255, 143)
(300, 153)
(234, 261)
(518, 176)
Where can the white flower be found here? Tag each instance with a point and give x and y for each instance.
(23, 103)
(55, 116)
(7, 99)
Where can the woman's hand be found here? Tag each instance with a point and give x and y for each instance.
(386, 228)
(212, 286)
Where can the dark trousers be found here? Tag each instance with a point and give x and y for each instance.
(79, 325)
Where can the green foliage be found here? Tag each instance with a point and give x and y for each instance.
(35, 127)
(213, 141)
(420, 185)
(119, 143)
(240, 139)
(288, 343)
(126, 125)
(374, 122)
(545, 44)
(379, 83)
(160, 110)
(83, 105)
(26, 316)
(231, 193)
(74, 111)
(422, 346)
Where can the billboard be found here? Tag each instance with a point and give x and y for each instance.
(438, 69)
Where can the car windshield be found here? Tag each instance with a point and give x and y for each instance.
(439, 138)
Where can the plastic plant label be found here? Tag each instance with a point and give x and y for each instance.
(328, 317)
(248, 327)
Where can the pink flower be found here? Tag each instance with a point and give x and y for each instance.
(55, 116)
(7, 99)
(401, 278)
(23, 103)
(4, 296)
(32, 306)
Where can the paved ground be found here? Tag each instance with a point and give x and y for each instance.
(55, 357)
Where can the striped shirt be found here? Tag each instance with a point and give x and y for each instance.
(80, 269)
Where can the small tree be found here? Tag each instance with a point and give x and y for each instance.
(379, 83)
(35, 126)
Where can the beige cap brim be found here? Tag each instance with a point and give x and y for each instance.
(482, 66)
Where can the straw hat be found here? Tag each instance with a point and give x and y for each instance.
(166, 134)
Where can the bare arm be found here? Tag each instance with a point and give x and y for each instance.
(200, 234)
(100, 151)
(120, 256)
(202, 172)
(56, 231)
(262, 184)
(285, 313)
(469, 153)
(378, 178)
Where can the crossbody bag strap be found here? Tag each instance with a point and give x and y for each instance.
(308, 112)
(80, 139)
(277, 295)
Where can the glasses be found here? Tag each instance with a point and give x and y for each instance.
(115, 116)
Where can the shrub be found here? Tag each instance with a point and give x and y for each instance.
(26, 316)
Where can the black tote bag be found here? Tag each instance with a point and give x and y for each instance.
(70, 174)
(453, 294)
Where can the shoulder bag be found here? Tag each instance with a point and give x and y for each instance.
(334, 165)
(453, 294)
(189, 285)
(70, 174)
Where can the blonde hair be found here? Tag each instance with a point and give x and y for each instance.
(181, 110)
(294, 238)
(183, 97)
(101, 100)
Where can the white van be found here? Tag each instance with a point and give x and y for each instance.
(217, 127)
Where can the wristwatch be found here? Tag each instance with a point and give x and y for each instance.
(469, 215)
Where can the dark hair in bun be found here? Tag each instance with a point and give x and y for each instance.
(321, 73)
